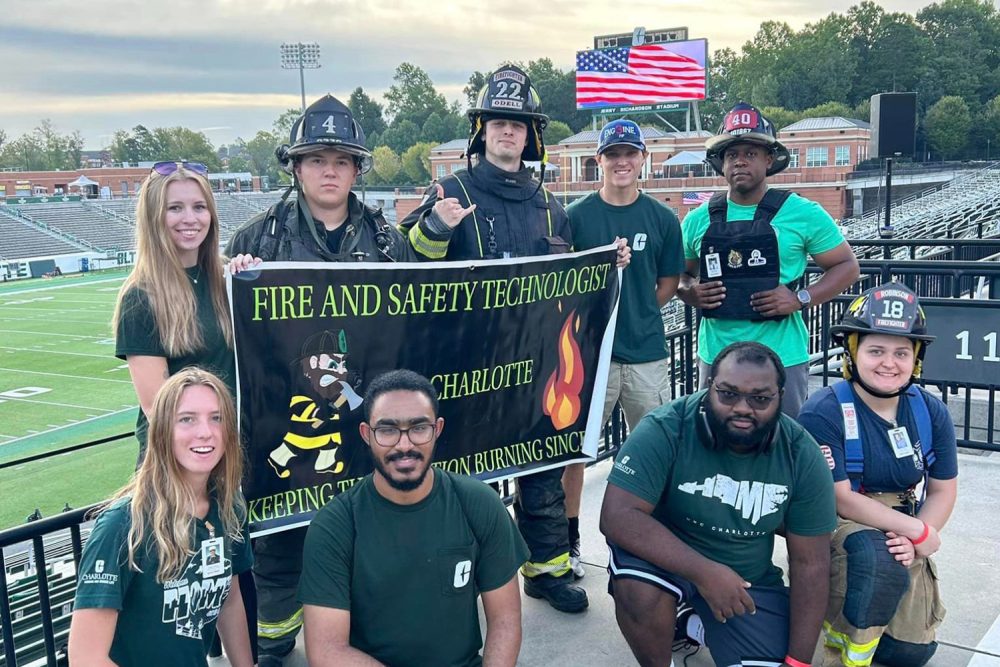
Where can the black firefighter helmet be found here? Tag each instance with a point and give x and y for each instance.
(327, 123)
(745, 124)
(508, 93)
(891, 309)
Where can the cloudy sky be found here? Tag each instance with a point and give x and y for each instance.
(213, 65)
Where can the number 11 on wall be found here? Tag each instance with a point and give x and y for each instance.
(991, 341)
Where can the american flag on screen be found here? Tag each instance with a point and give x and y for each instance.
(695, 197)
(646, 74)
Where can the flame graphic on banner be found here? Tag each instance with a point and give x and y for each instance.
(561, 400)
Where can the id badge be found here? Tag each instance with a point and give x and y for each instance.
(713, 265)
(212, 558)
(900, 440)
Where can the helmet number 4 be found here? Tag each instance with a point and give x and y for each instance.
(508, 90)
(330, 125)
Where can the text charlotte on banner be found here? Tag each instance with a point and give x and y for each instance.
(518, 351)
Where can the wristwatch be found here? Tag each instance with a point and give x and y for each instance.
(804, 297)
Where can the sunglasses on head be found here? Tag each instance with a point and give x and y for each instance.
(167, 168)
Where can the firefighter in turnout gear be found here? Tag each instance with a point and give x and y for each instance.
(497, 209)
(745, 250)
(325, 154)
(895, 468)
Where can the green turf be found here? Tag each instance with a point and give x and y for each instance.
(60, 385)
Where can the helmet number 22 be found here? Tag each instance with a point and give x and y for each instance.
(508, 90)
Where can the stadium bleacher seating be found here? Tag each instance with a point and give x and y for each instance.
(19, 239)
(955, 210)
(80, 221)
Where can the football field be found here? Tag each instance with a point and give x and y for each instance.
(61, 385)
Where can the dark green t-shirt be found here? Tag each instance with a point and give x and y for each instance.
(724, 505)
(170, 624)
(137, 335)
(410, 574)
(654, 235)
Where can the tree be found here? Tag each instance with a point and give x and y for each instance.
(387, 164)
(282, 125)
(780, 117)
(181, 143)
(368, 113)
(416, 162)
(828, 109)
(401, 136)
(3, 139)
(965, 48)
(947, 124)
(260, 153)
(988, 127)
(557, 131)
(413, 97)
(43, 149)
(476, 81)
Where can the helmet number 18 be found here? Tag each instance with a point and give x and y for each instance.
(893, 309)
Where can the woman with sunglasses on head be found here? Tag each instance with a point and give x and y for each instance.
(172, 310)
(157, 575)
(895, 467)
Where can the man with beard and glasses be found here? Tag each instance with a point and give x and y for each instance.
(693, 502)
(393, 567)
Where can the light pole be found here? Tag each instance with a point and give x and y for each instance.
(301, 57)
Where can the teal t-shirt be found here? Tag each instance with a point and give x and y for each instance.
(654, 234)
(410, 574)
(803, 228)
(166, 624)
(137, 335)
(724, 505)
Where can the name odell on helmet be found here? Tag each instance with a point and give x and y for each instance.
(508, 93)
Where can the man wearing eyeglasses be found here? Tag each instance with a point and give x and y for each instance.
(693, 502)
(747, 248)
(393, 567)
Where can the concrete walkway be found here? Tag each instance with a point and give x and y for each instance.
(968, 564)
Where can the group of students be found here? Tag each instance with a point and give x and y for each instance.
(169, 558)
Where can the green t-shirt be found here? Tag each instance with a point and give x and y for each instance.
(724, 505)
(410, 574)
(803, 228)
(654, 235)
(170, 624)
(137, 335)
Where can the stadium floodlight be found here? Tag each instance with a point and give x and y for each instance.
(300, 56)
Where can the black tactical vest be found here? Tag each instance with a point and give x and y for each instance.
(742, 254)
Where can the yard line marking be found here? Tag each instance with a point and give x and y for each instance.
(48, 352)
(47, 333)
(55, 287)
(61, 405)
(63, 375)
(110, 414)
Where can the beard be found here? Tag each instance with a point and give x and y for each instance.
(741, 439)
(404, 484)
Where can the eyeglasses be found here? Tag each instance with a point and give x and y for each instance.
(167, 168)
(755, 401)
(389, 436)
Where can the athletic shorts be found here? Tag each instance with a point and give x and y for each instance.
(758, 640)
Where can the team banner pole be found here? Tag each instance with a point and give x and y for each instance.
(517, 349)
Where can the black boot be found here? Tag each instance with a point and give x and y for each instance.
(557, 591)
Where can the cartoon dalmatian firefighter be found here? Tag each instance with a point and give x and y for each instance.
(314, 419)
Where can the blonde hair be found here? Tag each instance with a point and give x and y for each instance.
(158, 271)
(162, 501)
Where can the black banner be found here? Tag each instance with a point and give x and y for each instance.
(517, 349)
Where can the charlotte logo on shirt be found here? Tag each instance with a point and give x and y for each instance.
(752, 499)
(463, 572)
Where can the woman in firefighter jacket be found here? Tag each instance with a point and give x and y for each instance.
(895, 465)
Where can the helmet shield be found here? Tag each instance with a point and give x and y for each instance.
(508, 93)
(329, 123)
(746, 124)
